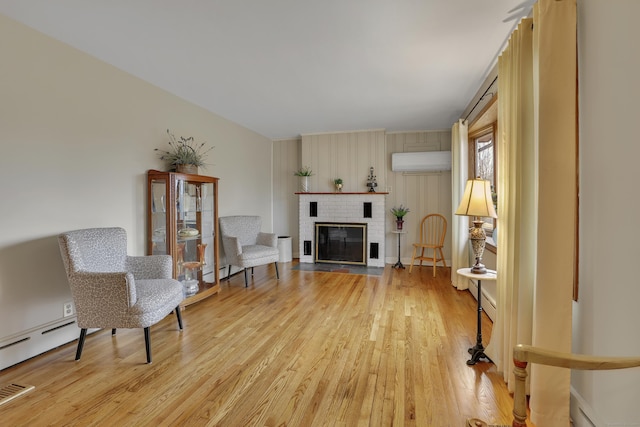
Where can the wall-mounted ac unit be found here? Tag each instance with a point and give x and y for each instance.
(423, 161)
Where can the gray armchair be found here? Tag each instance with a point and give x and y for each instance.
(113, 290)
(245, 245)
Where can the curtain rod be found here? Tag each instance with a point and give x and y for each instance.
(482, 97)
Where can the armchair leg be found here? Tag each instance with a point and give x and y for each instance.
(246, 281)
(228, 272)
(277, 274)
(147, 343)
(83, 334)
(179, 316)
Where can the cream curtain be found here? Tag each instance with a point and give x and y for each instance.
(459, 224)
(537, 208)
(517, 219)
(555, 77)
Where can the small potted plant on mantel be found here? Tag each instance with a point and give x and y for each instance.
(304, 173)
(399, 213)
(184, 155)
(338, 183)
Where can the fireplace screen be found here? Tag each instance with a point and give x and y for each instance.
(341, 243)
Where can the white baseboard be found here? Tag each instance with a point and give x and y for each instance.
(582, 415)
(407, 262)
(27, 344)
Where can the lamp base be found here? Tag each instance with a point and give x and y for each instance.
(478, 268)
(478, 237)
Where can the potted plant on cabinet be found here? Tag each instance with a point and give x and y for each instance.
(338, 183)
(399, 213)
(184, 155)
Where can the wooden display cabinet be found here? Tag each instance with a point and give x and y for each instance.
(182, 221)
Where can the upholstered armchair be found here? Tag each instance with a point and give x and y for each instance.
(113, 290)
(245, 245)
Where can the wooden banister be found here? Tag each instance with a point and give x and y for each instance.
(525, 354)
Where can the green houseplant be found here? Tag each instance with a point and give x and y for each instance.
(338, 183)
(399, 213)
(304, 173)
(184, 154)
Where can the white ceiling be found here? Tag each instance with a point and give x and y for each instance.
(288, 67)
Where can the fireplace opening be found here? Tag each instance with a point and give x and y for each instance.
(341, 243)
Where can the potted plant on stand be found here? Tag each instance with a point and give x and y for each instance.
(184, 155)
(399, 213)
(304, 173)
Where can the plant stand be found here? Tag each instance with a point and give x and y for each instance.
(398, 265)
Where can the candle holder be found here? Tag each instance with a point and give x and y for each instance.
(371, 181)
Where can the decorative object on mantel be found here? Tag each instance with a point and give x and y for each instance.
(477, 202)
(304, 173)
(185, 155)
(338, 184)
(371, 181)
(399, 213)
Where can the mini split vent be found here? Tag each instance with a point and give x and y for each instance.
(427, 161)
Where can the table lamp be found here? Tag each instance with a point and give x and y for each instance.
(477, 202)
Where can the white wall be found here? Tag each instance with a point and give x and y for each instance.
(77, 137)
(286, 160)
(606, 316)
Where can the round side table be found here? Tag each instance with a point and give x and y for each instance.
(477, 351)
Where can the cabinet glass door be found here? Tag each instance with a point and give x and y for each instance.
(194, 235)
(159, 217)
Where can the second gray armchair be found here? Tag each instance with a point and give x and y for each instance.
(245, 245)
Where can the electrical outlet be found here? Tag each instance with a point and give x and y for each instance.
(67, 309)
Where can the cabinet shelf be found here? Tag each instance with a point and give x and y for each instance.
(175, 202)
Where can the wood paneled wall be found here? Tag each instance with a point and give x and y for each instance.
(423, 193)
(349, 155)
(346, 155)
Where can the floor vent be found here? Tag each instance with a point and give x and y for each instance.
(11, 391)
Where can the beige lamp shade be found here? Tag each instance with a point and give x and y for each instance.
(476, 200)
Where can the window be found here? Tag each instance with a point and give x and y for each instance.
(482, 159)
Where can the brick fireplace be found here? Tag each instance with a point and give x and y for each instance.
(347, 209)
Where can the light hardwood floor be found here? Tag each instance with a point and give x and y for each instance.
(310, 349)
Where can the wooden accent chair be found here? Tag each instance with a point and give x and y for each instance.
(524, 354)
(113, 290)
(433, 229)
(245, 245)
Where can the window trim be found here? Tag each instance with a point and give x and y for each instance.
(486, 122)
